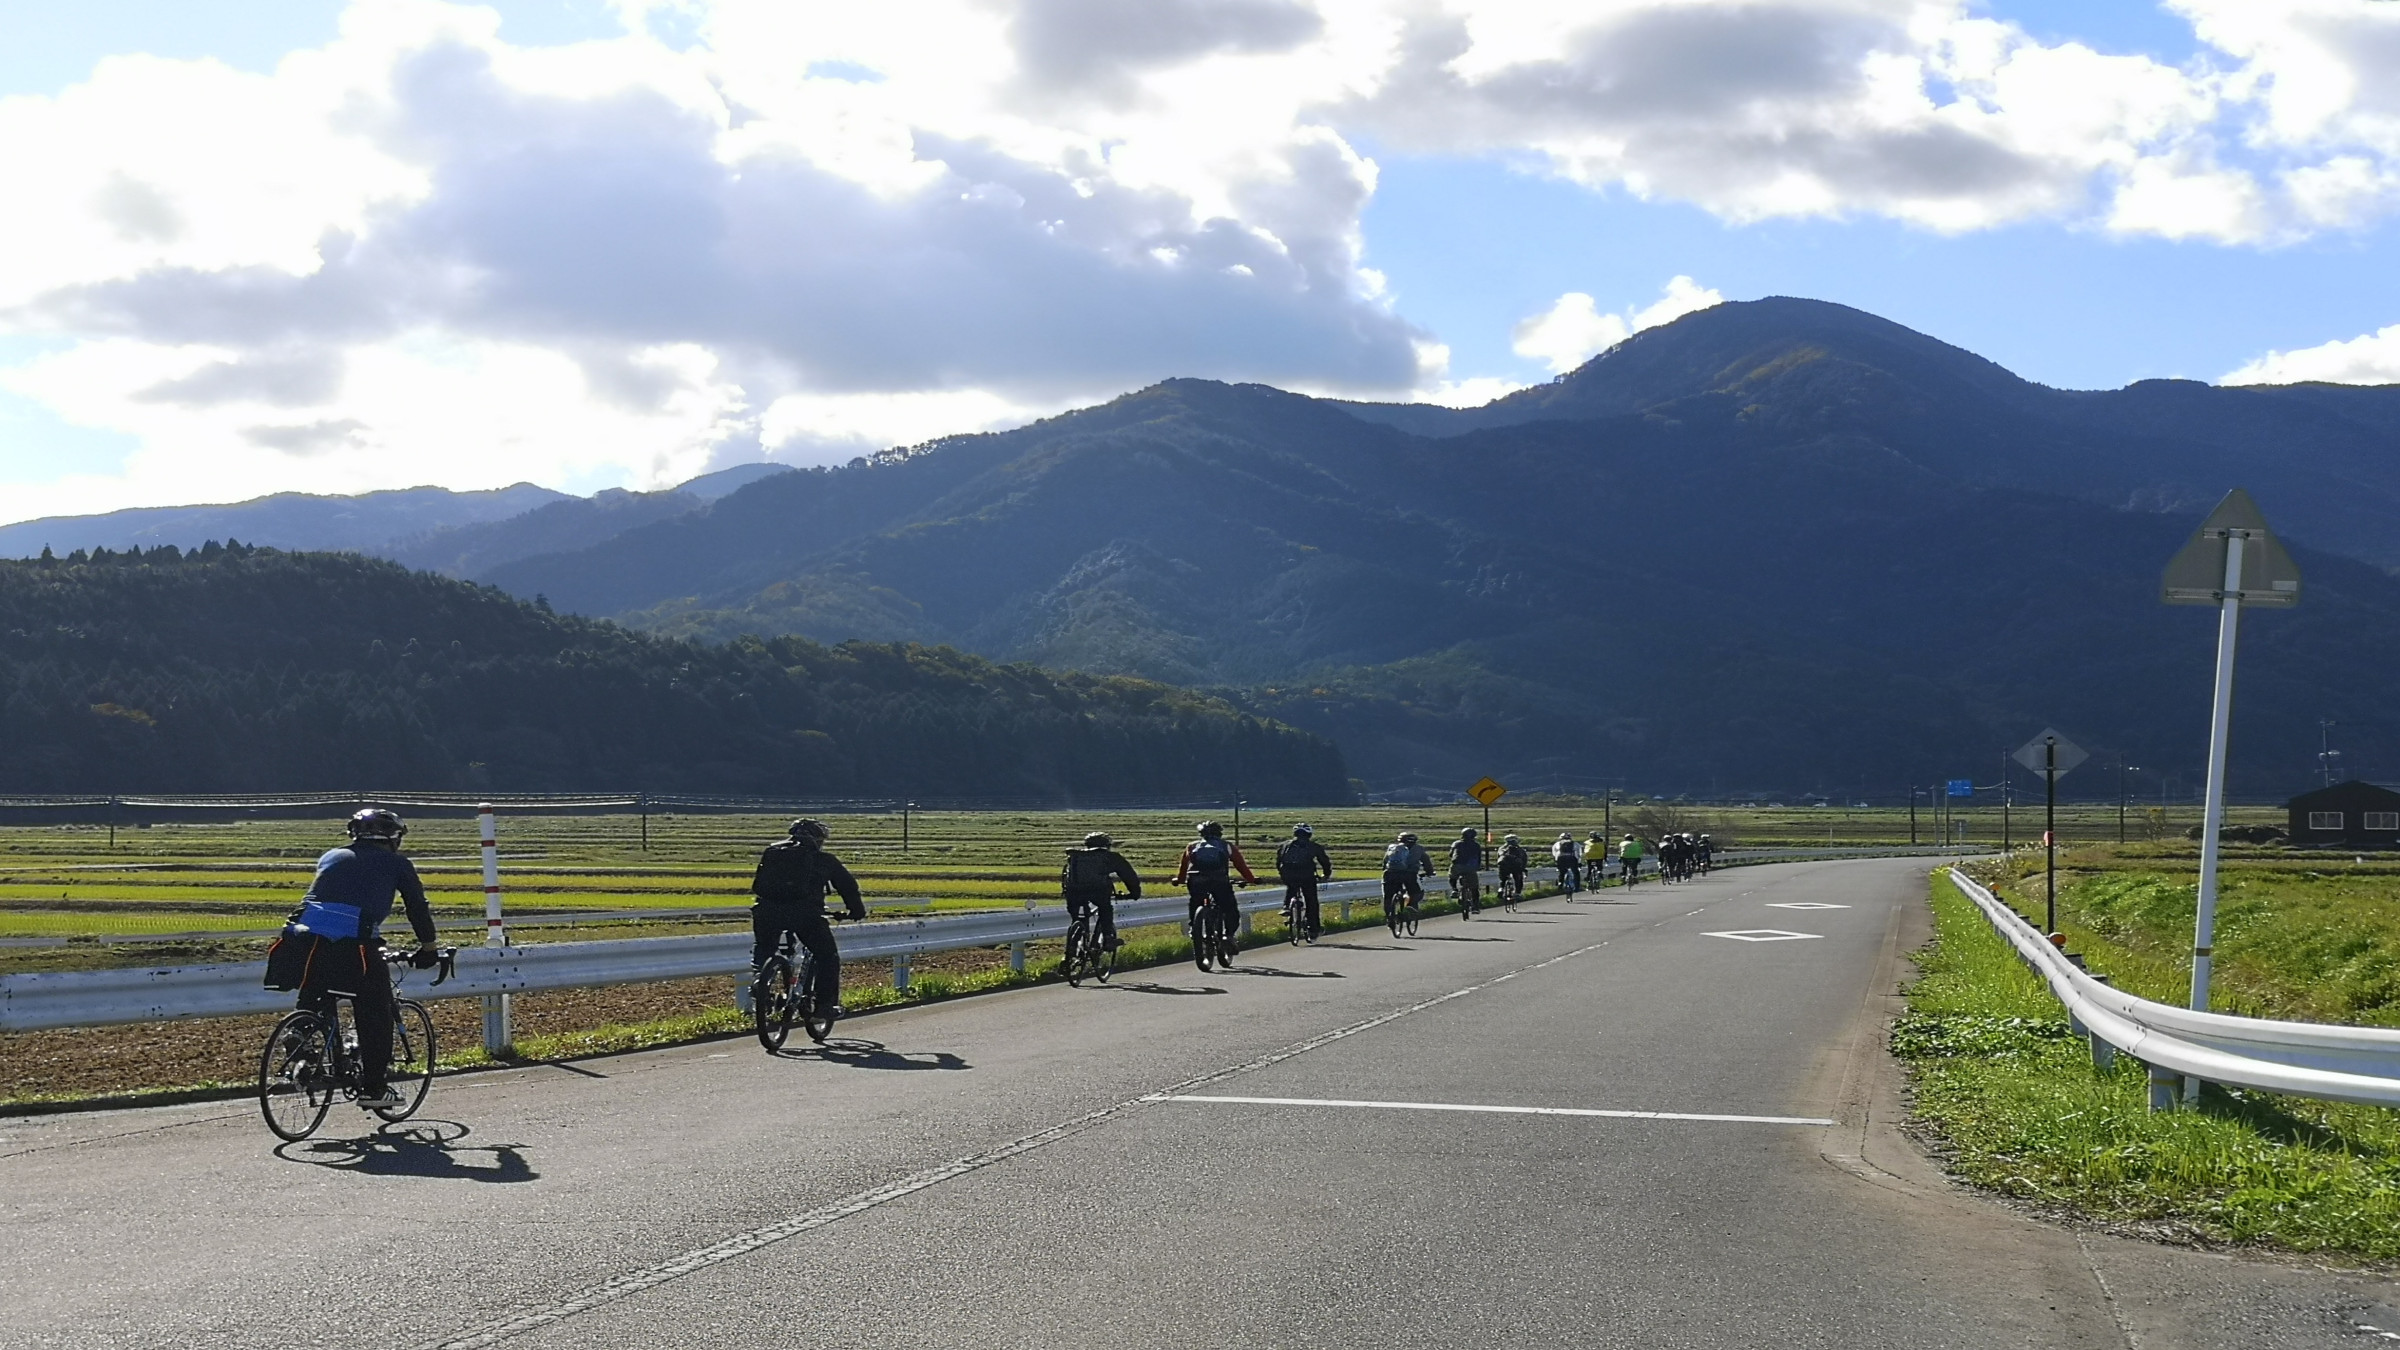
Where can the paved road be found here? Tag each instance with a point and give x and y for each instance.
(1242, 1159)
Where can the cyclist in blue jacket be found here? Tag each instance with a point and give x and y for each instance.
(340, 928)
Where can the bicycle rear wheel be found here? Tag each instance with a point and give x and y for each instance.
(294, 1088)
(1104, 964)
(1204, 936)
(1295, 922)
(815, 1020)
(411, 1072)
(1409, 915)
(771, 1003)
(1391, 914)
(1078, 933)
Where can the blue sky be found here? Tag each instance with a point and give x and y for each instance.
(333, 246)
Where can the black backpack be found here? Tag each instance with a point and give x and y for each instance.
(788, 875)
(1088, 869)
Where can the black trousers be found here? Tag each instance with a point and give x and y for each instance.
(768, 924)
(349, 966)
(1078, 901)
(1217, 891)
(1306, 889)
(1397, 884)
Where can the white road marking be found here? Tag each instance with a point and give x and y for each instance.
(1802, 904)
(1499, 1110)
(1763, 935)
(510, 1326)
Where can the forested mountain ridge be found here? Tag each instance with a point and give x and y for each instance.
(1793, 581)
(367, 522)
(248, 670)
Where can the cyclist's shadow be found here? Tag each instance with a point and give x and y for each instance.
(416, 1148)
(855, 1053)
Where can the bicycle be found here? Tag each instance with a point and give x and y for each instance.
(1295, 917)
(784, 994)
(1088, 957)
(1466, 891)
(1570, 878)
(1512, 889)
(1212, 939)
(311, 1058)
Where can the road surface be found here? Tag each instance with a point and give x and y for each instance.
(1327, 1146)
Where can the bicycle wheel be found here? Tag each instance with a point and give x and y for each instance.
(1104, 964)
(771, 1003)
(1204, 936)
(411, 1072)
(815, 1020)
(1409, 914)
(1391, 914)
(294, 1090)
(1078, 958)
(1295, 922)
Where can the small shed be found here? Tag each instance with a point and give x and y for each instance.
(2351, 815)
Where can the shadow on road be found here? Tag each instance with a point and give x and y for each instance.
(1455, 937)
(1366, 946)
(419, 1148)
(1286, 974)
(854, 1053)
(1139, 987)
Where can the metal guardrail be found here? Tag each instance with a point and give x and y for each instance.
(2305, 1059)
(90, 998)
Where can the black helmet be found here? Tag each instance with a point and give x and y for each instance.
(813, 831)
(1097, 840)
(1467, 833)
(1210, 829)
(377, 823)
(1408, 836)
(1301, 832)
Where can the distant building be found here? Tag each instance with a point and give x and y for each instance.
(2351, 815)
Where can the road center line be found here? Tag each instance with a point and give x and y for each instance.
(741, 1244)
(1501, 1110)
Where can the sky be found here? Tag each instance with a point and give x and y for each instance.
(268, 245)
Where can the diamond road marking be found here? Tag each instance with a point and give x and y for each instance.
(1803, 904)
(1763, 935)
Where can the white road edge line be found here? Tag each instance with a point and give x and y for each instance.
(742, 1244)
(1502, 1110)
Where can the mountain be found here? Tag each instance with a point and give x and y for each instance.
(290, 520)
(1799, 581)
(2323, 460)
(561, 526)
(244, 669)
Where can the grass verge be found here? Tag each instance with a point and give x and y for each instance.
(2017, 1107)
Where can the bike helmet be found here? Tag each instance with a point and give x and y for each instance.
(377, 823)
(1508, 839)
(1301, 832)
(1097, 840)
(1407, 837)
(813, 831)
(1467, 833)
(1569, 835)
(1210, 829)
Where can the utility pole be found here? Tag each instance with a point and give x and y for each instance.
(2007, 840)
(2122, 769)
(2050, 834)
(2327, 756)
(905, 808)
(1912, 816)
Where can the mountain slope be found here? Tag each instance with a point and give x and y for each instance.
(289, 520)
(249, 670)
(1708, 600)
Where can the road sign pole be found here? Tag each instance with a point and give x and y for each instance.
(2212, 812)
(2050, 837)
(1912, 817)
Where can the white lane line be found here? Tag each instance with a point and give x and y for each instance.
(1803, 904)
(1500, 1110)
(742, 1244)
(1763, 935)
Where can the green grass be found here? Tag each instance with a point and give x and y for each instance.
(2021, 1110)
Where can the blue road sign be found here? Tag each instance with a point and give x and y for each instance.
(1962, 787)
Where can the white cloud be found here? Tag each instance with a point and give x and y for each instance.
(1574, 329)
(816, 226)
(2371, 359)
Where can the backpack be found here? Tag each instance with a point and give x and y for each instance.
(1563, 851)
(1400, 858)
(1296, 860)
(787, 875)
(1211, 855)
(1513, 857)
(1088, 869)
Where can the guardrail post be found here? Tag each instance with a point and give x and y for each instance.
(2162, 1089)
(1016, 957)
(2191, 1090)
(1244, 930)
(1345, 909)
(2104, 1055)
(900, 973)
(497, 1010)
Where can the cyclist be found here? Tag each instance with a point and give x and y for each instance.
(1595, 861)
(1569, 861)
(1404, 860)
(1088, 880)
(338, 941)
(1207, 869)
(790, 884)
(1513, 863)
(1300, 863)
(1629, 858)
(1466, 868)
(1708, 855)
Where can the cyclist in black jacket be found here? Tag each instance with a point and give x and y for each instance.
(338, 938)
(1088, 880)
(1299, 864)
(790, 885)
